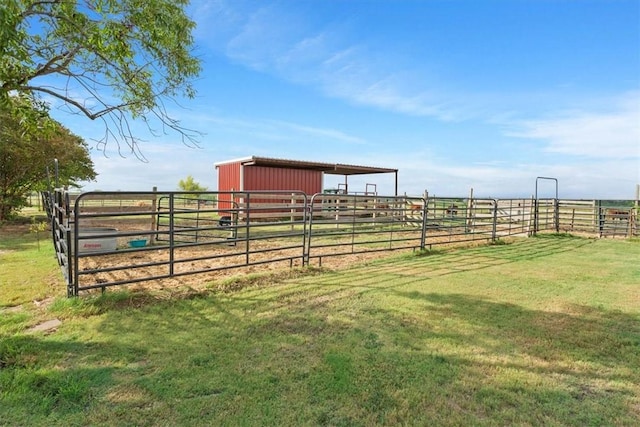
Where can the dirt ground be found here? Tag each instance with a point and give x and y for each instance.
(228, 261)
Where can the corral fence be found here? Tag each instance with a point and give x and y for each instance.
(105, 239)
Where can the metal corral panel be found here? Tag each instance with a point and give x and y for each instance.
(258, 178)
(229, 179)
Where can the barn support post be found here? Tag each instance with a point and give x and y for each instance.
(396, 183)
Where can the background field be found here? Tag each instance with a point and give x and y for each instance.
(539, 331)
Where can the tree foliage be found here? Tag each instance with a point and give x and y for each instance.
(26, 155)
(189, 184)
(110, 60)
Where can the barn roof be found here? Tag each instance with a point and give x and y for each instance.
(329, 168)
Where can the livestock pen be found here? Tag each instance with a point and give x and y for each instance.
(106, 239)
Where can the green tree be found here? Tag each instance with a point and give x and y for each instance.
(114, 60)
(189, 184)
(25, 156)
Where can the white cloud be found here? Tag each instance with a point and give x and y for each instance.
(446, 177)
(168, 163)
(613, 134)
(324, 133)
(280, 41)
(272, 130)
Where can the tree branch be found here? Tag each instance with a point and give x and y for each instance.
(73, 102)
(48, 68)
(112, 54)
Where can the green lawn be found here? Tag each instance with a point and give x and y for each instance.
(541, 331)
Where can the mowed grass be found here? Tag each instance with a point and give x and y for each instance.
(541, 331)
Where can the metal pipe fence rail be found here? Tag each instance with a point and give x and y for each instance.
(106, 239)
(347, 224)
(604, 218)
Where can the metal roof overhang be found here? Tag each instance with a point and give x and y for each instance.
(329, 168)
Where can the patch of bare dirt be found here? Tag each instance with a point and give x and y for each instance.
(13, 309)
(48, 326)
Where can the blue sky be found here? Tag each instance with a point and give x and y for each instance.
(454, 93)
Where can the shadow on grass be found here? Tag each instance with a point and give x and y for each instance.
(603, 338)
(351, 357)
(38, 385)
(403, 271)
(332, 350)
(466, 259)
(327, 359)
(325, 285)
(338, 362)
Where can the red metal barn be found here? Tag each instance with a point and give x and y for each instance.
(269, 174)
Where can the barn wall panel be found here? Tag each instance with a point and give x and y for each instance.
(281, 179)
(262, 178)
(228, 180)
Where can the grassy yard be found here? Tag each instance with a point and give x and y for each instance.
(541, 331)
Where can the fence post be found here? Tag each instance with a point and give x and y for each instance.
(557, 214)
(495, 220)
(154, 217)
(423, 238)
(601, 217)
(74, 279)
(171, 232)
(535, 216)
(247, 206)
(293, 210)
(353, 221)
(469, 221)
(309, 223)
